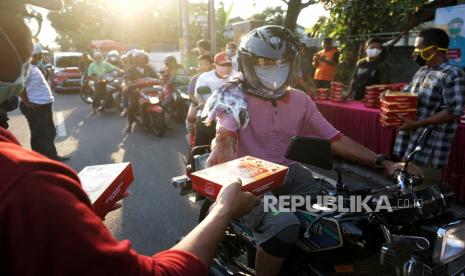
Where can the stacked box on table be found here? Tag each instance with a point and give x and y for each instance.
(372, 94)
(322, 94)
(397, 105)
(337, 92)
(257, 176)
(105, 184)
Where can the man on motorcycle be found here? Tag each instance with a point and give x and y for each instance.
(113, 58)
(97, 71)
(173, 76)
(213, 79)
(140, 69)
(258, 116)
(205, 65)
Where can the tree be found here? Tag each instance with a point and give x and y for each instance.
(294, 7)
(82, 21)
(270, 16)
(350, 19)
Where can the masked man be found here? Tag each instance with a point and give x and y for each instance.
(441, 99)
(258, 116)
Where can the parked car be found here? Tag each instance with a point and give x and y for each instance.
(65, 74)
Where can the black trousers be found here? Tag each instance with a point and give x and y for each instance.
(100, 94)
(322, 83)
(42, 128)
(133, 109)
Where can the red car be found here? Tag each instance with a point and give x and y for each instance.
(65, 75)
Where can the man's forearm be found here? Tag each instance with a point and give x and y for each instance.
(438, 118)
(204, 239)
(351, 150)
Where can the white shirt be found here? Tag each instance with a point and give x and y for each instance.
(37, 88)
(211, 80)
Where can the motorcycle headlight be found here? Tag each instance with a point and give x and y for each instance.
(450, 242)
(154, 100)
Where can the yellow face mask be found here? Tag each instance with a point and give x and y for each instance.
(421, 52)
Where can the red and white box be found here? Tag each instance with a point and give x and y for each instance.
(399, 113)
(401, 97)
(398, 105)
(105, 184)
(322, 93)
(257, 176)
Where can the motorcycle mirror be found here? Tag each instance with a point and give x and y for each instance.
(203, 90)
(311, 151)
(421, 142)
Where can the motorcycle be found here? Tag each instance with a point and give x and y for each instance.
(176, 102)
(420, 236)
(151, 112)
(114, 88)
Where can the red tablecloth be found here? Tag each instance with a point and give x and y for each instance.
(454, 173)
(362, 125)
(359, 123)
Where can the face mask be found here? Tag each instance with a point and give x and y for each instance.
(373, 52)
(420, 58)
(8, 89)
(230, 52)
(273, 77)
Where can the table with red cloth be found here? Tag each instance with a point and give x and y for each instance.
(454, 173)
(362, 125)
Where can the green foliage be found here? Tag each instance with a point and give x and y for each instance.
(351, 18)
(85, 20)
(270, 16)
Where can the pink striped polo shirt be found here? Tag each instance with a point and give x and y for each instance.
(271, 128)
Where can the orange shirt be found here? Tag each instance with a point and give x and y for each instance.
(325, 71)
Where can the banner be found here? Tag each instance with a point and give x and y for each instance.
(451, 19)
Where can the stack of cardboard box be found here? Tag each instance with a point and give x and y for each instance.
(337, 89)
(373, 92)
(397, 105)
(322, 94)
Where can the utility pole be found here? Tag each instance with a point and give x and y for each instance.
(212, 24)
(184, 43)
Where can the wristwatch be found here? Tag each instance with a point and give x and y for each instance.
(379, 161)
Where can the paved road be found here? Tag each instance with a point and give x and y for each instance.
(154, 216)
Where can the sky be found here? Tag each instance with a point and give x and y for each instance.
(242, 8)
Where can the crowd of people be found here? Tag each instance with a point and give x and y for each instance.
(242, 102)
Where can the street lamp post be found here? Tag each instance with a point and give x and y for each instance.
(184, 8)
(212, 24)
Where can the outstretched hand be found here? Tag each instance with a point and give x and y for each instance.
(234, 202)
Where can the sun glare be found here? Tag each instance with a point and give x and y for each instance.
(128, 7)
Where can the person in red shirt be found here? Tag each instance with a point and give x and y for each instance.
(47, 225)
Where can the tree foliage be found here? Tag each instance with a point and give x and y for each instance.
(270, 16)
(351, 18)
(82, 21)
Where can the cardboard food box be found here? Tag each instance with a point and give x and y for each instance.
(398, 105)
(389, 125)
(394, 119)
(257, 176)
(397, 113)
(401, 97)
(105, 184)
